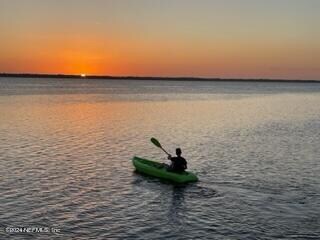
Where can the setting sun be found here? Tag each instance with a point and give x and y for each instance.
(83, 75)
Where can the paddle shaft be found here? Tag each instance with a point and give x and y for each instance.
(164, 151)
(157, 144)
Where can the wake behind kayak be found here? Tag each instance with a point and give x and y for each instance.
(156, 169)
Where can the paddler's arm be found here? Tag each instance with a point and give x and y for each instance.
(184, 166)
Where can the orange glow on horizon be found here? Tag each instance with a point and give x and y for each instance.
(98, 56)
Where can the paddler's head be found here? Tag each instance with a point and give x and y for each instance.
(178, 152)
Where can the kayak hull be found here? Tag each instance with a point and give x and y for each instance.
(158, 170)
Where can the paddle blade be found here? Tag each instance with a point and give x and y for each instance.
(156, 142)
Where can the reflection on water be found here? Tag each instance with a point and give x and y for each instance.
(66, 148)
(177, 209)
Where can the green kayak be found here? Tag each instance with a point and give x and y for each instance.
(156, 169)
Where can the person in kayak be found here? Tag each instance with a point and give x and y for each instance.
(178, 163)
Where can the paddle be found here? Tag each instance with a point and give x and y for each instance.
(157, 143)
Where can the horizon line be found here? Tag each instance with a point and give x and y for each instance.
(137, 77)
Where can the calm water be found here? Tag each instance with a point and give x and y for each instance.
(65, 149)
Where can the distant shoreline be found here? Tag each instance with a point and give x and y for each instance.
(31, 75)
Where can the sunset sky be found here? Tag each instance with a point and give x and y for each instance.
(205, 38)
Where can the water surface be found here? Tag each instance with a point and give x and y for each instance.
(66, 146)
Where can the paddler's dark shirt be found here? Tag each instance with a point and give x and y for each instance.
(179, 164)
